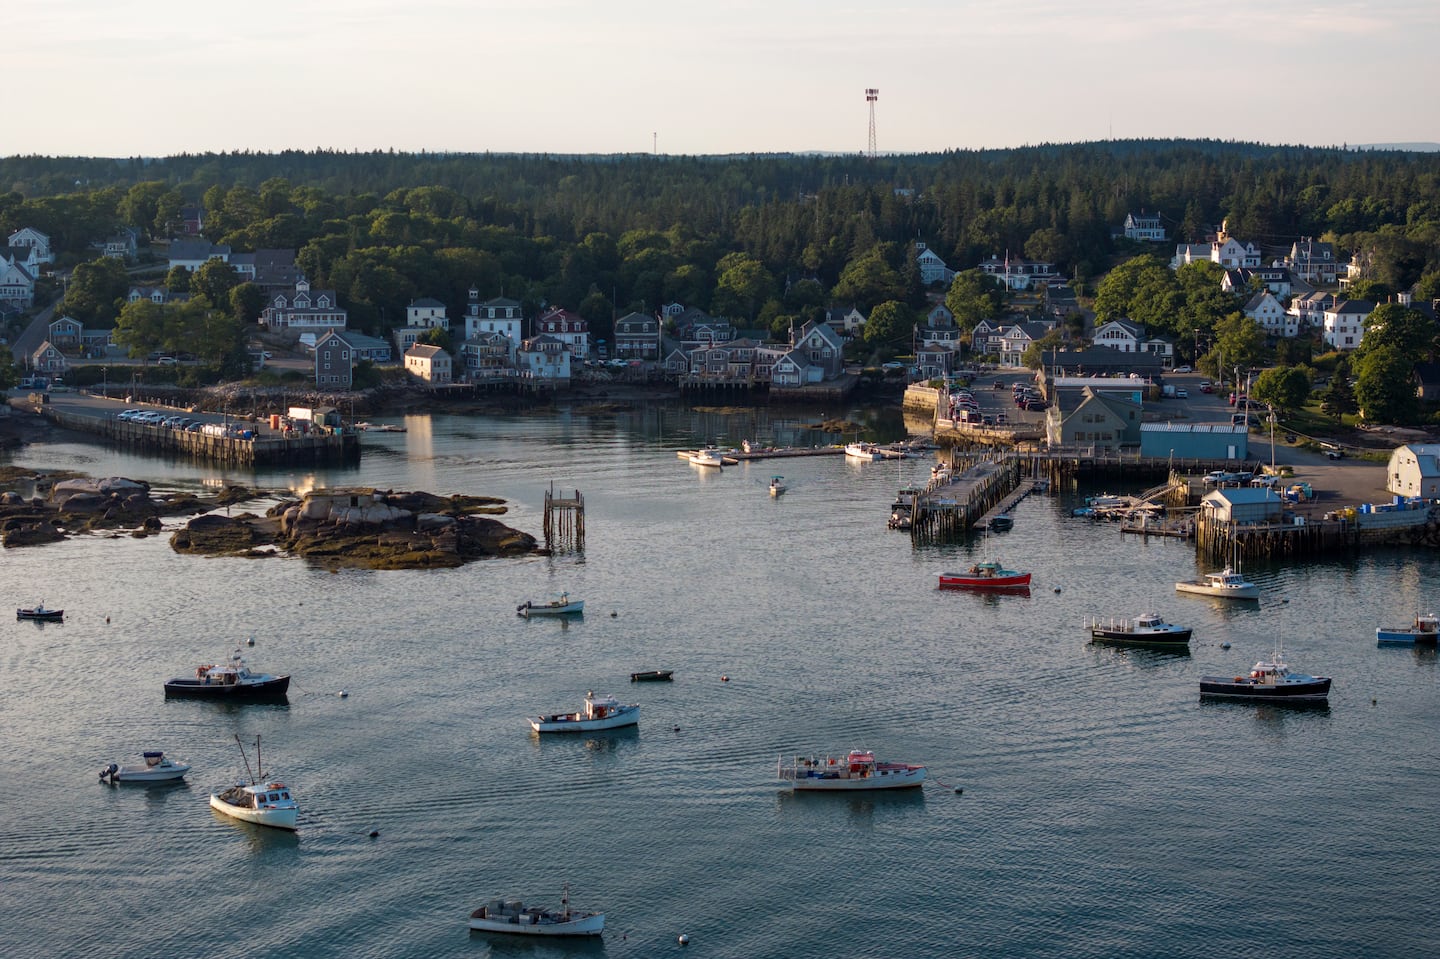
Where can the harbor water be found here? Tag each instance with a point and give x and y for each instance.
(1082, 800)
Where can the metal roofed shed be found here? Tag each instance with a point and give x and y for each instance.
(1244, 505)
(1195, 441)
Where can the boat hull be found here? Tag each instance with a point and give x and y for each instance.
(624, 716)
(169, 772)
(270, 690)
(1405, 637)
(1249, 591)
(1167, 639)
(274, 818)
(818, 780)
(41, 616)
(1224, 687)
(592, 925)
(653, 676)
(960, 581)
(567, 609)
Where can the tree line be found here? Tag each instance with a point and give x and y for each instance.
(766, 240)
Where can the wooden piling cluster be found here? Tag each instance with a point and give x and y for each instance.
(564, 520)
(313, 448)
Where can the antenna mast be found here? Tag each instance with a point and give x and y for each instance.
(871, 95)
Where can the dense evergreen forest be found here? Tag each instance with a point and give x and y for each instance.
(763, 239)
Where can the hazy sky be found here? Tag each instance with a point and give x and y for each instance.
(153, 77)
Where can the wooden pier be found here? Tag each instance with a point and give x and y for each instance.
(564, 520)
(951, 506)
(262, 448)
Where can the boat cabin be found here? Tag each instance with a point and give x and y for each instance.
(267, 796)
(599, 707)
(860, 763)
(227, 674)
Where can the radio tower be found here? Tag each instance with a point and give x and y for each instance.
(871, 95)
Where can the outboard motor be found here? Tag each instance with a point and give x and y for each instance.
(109, 773)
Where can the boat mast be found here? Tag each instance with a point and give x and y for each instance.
(565, 901)
(246, 757)
(259, 769)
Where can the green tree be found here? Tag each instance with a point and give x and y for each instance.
(1239, 342)
(95, 292)
(869, 279)
(178, 280)
(1408, 330)
(1285, 388)
(1384, 388)
(9, 375)
(247, 302)
(1140, 285)
(1034, 355)
(889, 325)
(436, 336)
(743, 284)
(140, 327)
(214, 280)
(974, 296)
(1338, 400)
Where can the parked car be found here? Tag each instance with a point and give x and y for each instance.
(1181, 369)
(1207, 388)
(1182, 394)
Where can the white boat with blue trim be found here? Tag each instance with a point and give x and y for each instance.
(1422, 632)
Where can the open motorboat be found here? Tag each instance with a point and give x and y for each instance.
(600, 712)
(986, 575)
(777, 485)
(857, 770)
(653, 676)
(1270, 681)
(707, 457)
(157, 768)
(863, 451)
(40, 613)
(1146, 630)
(1001, 522)
(1226, 584)
(229, 681)
(1423, 632)
(513, 916)
(902, 511)
(262, 803)
(561, 605)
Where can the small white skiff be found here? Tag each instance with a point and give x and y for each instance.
(158, 768)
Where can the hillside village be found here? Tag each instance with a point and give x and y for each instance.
(180, 296)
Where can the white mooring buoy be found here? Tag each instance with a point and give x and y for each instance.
(684, 940)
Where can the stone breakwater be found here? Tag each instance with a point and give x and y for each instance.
(364, 528)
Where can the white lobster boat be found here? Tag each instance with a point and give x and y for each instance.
(513, 916)
(858, 770)
(600, 712)
(262, 803)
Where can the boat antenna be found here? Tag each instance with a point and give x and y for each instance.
(246, 757)
(565, 900)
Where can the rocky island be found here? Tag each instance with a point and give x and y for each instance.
(365, 528)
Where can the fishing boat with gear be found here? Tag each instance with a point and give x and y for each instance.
(259, 802)
(1269, 681)
(157, 768)
(514, 917)
(600, 712)
(231, 681)
(857, 770)
(1422, 632)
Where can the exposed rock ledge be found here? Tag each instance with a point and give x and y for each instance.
(62, 504)
(363, 528)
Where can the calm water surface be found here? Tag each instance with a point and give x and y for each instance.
(1105, 810)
